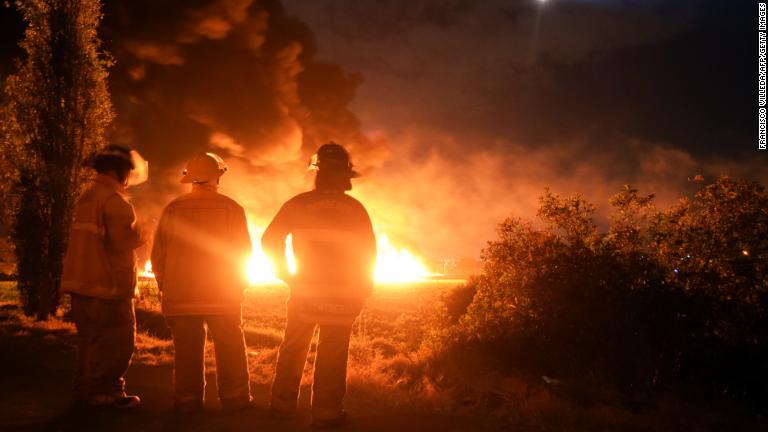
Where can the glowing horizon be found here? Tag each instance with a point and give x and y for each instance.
(393, 265)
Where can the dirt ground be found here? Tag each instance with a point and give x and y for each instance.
(36, 366)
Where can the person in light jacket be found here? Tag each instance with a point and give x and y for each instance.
(100, 276)
(198, 257)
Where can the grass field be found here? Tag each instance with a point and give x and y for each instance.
(387, 334)
(386, 338)
(390, 365)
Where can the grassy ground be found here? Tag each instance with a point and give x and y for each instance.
(390, 384)
(36, 370)
(39, 356)
(388, 330)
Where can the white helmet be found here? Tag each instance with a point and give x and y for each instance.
(204, 168)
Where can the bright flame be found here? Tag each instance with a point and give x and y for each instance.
(397, 266)
(393, 265)
(259, 269)
(147, 273)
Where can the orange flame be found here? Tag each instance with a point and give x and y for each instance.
(397, 265)
(258, 268)
(147, 272)
(393, 265)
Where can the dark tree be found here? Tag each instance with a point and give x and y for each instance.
(56, 112)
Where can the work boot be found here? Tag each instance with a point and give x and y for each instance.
(119, 401)
(339, 421)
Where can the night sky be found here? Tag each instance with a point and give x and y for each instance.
(679, 72)
(458, 112)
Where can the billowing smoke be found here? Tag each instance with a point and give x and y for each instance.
(238, 77)
(461, 121)
(484, 104)
(446, 199)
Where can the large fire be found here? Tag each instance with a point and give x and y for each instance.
(393, 265)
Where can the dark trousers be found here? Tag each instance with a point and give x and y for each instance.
(105, 336)
(232, 378)
(330, 375)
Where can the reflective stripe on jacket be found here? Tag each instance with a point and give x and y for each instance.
(100, 260)
(334, 248)
(199, 254)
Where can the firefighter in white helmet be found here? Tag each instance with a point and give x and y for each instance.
(335, 252)
(100, 275)
(198, 257)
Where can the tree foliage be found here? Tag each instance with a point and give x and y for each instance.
(56, 112)
(664, 300)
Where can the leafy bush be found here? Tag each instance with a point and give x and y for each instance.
(671, 300)
(457, 300)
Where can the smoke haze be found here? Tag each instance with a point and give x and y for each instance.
(457, 113)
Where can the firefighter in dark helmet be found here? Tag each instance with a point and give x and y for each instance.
(335, 252)
(100, 276)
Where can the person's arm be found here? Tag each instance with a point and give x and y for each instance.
(159, 247)
(273, 242)
(120, 223)
(241, 238)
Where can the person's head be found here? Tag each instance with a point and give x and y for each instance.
(334, 168)
(115, 161)
(205, 168)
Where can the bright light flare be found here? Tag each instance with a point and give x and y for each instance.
(259, 269)
(147, 272)
(395, 266)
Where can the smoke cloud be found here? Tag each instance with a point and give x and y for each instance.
(238, 77)
(447, 201)
(457, 113)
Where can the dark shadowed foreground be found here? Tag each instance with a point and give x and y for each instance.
(37, 365)
(655, 325)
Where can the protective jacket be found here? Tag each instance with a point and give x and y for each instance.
(199, 254)
(335, 252)
(100, 261)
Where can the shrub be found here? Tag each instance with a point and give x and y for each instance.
(670, 300)
(457, 300)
